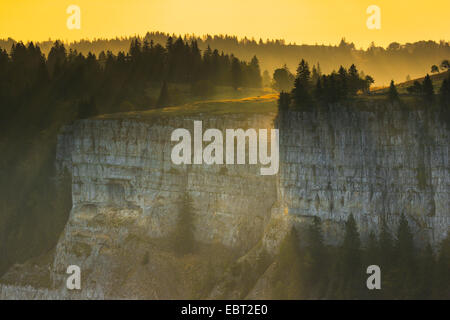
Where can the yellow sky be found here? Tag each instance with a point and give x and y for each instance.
(300, 21)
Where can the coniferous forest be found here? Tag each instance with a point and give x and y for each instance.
(394, 61)
(310, 269)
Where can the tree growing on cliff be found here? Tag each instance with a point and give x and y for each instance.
(183, 234)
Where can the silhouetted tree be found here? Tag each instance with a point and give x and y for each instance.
(316, 256)
(283, 79)
(434, 69)
(445, 64)
(405, 262)
(444, 93)
(351, 259)
(392, 93)
(255, 73)
(428, 90)
(288, 276)
(302, 85)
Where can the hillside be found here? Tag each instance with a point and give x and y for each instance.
(402, 86)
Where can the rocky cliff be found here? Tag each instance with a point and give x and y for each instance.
(126, 194)
(375, 165)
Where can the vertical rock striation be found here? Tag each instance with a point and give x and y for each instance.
(375, 165)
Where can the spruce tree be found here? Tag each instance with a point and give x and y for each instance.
(255, 76)
(316, 268)
(350, 262)
(444, 93)
(354, 80)
(288, 275)
(283, 103)
(428, 90)
(392, 93)
(405, 264)
(343, 83)
(302, 85)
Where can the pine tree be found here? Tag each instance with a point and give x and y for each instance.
(283, 103)
(351, 263)
(316, 268)
(444, 97)
(302, 85)
(444, 93)
(315, 73)
(354, 80)
(288, 275)
(372, 250)
(428, 90)
(255, 76)
(405, 264)
(392, 93)
(386, 261)
(343, 83)
(386, 245)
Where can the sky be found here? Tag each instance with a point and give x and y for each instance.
(299, 21)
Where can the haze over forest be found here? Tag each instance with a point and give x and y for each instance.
(395, 62)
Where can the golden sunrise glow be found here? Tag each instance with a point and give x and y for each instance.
(300, 21)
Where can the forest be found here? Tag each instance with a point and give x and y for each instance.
(310, 269)
(396, 61)
(309, 89)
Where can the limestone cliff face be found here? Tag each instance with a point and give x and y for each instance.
(125, 185)
(126, 193)
(375, 165)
